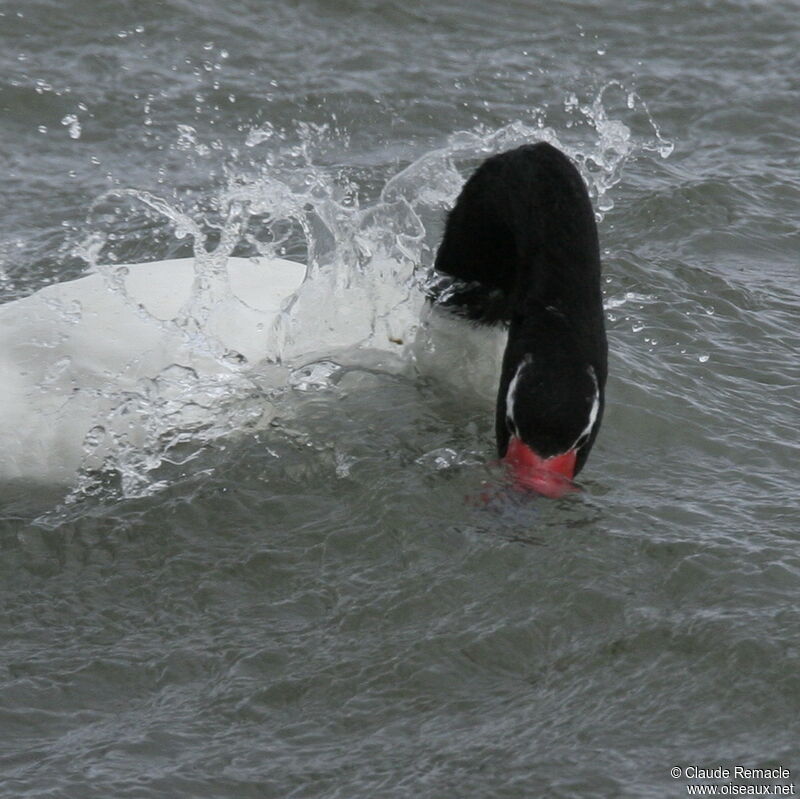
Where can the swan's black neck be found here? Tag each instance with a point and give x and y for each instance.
(520, 248)
(521, 235)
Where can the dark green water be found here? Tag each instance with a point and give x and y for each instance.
(321, 608)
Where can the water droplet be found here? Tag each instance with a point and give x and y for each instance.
(93, 438)
(702, 358)
(73, 126)
(259, 135)
(313, 376)
(605, 203)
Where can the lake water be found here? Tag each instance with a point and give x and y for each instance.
(321, 607)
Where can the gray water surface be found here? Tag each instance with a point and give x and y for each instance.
(326, 607)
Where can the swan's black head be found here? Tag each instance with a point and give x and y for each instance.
(550, 402)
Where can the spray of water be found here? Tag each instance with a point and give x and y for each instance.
(367, 265)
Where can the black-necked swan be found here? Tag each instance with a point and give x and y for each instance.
(522, 250)
(85, 364)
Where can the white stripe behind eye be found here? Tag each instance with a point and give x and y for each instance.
(595, 409)
(512, 388)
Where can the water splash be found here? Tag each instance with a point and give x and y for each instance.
(368, 261)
